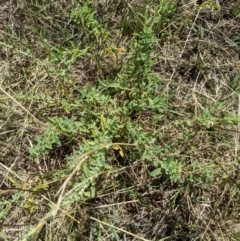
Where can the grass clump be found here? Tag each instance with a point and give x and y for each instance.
(112, 129)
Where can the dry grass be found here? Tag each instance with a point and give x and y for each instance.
(79, 151)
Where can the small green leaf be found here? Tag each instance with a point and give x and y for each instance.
(156, 172)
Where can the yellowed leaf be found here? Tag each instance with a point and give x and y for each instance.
(117, 147)
(103, 122)
(12, 180)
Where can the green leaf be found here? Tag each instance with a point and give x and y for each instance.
(156, 172)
